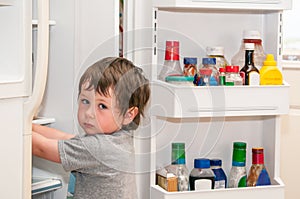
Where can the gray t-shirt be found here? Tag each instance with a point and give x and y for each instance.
(103, 165)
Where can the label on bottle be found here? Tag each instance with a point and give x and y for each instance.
(254, 78)
(220, 184)
(203, 184)
(263, 178)
(242, 182)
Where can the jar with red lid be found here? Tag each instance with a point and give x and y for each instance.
(232, 77)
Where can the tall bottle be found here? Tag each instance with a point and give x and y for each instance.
(238, 173)
(220, 176)
(249, 72)
(250, 36)
(171, 64)
(178, 166)
(258, 174)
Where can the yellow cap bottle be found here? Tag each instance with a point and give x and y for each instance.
(269, 73)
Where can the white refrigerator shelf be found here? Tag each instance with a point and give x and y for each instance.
(44, 184)
(178, 101)
(272, 191)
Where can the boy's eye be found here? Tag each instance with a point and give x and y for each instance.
(102, 106)
(85, 101)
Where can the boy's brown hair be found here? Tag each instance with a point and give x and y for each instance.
(130, 86)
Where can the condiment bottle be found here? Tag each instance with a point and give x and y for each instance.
(232, 77)
(171, 64)
(210, 63)
(222, 76)
(238, 174)
(202, 177)
(249, 72)
(178, 166)
(258, 174)
(220, 176)
(250, 36)
(190, 66)
(269, 73)
(218, 53)
(203, 78)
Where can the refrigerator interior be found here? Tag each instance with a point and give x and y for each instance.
(206, 121)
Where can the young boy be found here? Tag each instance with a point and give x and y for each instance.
(112, 97)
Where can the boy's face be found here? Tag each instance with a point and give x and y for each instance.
(98, 113)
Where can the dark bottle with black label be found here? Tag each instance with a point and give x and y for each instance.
(249, 72)
(202, 177)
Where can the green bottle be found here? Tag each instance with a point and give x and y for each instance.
(178, 166)
(238, 173)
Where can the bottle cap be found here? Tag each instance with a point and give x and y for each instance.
(178, 153)
(172, 50)
(207, 60)
(217, 50)
(251, 34)
(201, 163)
(258, 155)
(239, 154)
(249, 46)
(221, 70)
(189, 60)
(270, 60)
(215, 162)
(205, 71)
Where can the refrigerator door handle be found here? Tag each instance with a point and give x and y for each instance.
(33, 102)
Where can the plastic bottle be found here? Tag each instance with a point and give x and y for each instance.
(171, 64)
(203, 78)
(190, 66)
(250, 36)
(232, 77)
(220, 176)
(202, 177)
(222, 76)
(258, 174)
(178, 166)
(218, 53)
(238, 173)
(210, 63)
(249, 72)
(269, 73)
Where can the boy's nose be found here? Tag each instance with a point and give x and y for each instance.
(90, 112)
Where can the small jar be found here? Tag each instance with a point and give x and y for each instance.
(233, 77)
(180, 80)
(211, 64)
(190, 66)
(203, 78)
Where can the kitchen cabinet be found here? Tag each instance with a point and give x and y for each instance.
(210, 119)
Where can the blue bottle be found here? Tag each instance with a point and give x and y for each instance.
(220, 176)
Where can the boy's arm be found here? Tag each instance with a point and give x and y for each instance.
(45, 148)
(51, 133)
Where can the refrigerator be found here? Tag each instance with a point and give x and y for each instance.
(46, 45)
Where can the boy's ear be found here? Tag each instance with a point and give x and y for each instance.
(130, 115)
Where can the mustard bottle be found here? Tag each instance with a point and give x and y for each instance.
(269, 73)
